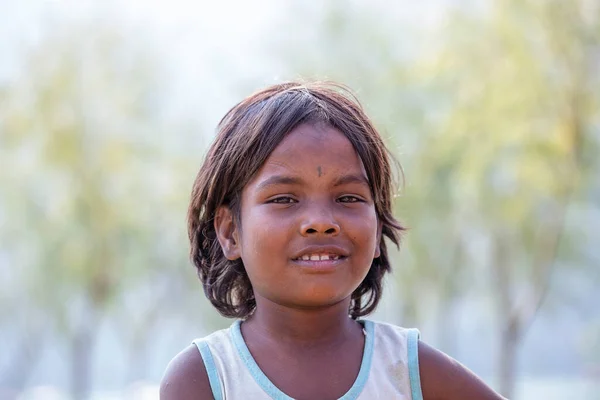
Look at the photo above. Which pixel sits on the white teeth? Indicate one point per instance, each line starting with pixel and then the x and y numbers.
pixel 319 257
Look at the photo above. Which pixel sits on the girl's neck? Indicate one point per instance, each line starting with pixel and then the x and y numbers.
pixel 310 327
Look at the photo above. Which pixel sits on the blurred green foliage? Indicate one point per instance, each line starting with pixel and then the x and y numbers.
pixel 94 206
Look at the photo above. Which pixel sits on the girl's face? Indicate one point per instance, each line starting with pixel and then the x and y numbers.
pixel 309 230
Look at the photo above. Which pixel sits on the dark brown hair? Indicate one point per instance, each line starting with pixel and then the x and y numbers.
pixel 246 136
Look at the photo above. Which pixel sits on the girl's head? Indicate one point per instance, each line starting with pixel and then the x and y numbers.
pixel 296 171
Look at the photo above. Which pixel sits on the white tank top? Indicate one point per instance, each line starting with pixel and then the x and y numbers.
pixel 389 368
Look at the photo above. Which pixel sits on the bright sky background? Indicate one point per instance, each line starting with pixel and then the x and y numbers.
pixel 207 47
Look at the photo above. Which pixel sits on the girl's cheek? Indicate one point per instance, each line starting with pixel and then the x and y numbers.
pixel 365 221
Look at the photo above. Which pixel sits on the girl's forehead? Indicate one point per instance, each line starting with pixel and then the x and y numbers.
pixel 313 152
pixel 313 139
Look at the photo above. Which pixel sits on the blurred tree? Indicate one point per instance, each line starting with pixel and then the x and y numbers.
pixel 519 127
pixel 81 133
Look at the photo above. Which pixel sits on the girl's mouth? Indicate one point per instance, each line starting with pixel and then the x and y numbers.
pixel 318 257
pixel 319 263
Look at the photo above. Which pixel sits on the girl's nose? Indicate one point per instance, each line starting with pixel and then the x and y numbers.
pixel 319 222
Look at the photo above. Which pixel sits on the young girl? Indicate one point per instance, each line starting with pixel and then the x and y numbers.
pixel 287 223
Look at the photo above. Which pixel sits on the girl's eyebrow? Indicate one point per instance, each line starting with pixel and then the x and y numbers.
pixel 279 180
pixel 351 178
pixel 293 180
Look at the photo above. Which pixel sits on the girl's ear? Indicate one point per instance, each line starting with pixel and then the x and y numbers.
pixel 378 246
pixel 227 233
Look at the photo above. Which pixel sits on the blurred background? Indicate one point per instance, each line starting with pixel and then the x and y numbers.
pixel 107 108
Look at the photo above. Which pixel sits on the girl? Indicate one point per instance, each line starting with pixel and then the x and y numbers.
pixel 287 223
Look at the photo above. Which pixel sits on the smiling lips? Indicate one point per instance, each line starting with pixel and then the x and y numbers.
pixel 320 260
pixel 319 257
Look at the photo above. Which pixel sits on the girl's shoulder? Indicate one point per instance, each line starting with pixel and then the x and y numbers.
pixel 185 377
pixel 439 376
pixel 444 378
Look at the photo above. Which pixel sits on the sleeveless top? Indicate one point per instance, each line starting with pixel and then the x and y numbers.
pixel 389 368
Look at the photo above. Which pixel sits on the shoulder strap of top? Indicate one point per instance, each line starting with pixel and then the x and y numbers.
pixel 211 368
pixel 413 364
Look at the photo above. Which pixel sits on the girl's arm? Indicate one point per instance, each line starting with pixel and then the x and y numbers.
pixel 186 378
pixel 443 378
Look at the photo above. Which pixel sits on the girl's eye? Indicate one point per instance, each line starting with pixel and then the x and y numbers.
pixel 349 199
pixel 282 200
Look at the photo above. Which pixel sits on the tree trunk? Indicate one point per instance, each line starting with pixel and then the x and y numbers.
pixel 446 326
pixel 138 360
pixel 82 346
pixel 22 364
pixel 508 318
pixel 507 359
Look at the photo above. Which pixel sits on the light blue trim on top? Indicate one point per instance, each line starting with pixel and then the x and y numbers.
pixel 275 392
pixel 365 365
pixel 211 369
pixel 255 371
pixel 413 364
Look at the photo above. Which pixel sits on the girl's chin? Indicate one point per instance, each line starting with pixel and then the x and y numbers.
pixel 320 301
